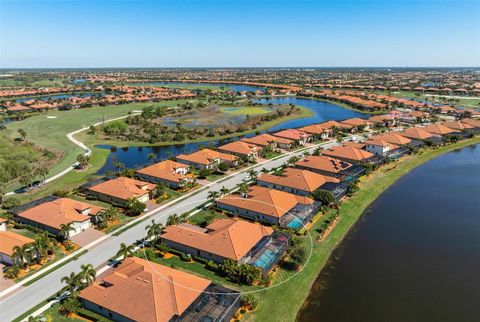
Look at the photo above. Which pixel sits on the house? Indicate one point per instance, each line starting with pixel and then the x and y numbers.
pixel 269 206
pixel 357 123
pixel 458 126
pixel 349 154
pixel 207 159
pixel 171 173
pixel 328 166
pixel 298 136
pixel 50 213
pixel 383 120
pixel 297 181
pixel 439 129
pixel 120 190
pixel 417 133
pixel 8 241
pixel 223 239
pixel 241 149
pixel 139 290
pixel 472 122
pixel 322 130
pixel 265 140
pixel 380 147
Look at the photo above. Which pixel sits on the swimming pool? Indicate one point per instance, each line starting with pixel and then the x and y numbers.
pixel 295 223
pixel 266 259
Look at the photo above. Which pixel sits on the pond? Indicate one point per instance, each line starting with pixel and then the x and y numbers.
pixel 415 253
pixel 135 157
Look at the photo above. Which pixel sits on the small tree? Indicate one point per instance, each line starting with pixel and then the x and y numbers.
pixel 223 167
pixel 69 305
pixel 249 301
pixel 135 207
pixel 125 251
pixel 203 173
pixel 325 197
pixel 82 161
pixel 22 133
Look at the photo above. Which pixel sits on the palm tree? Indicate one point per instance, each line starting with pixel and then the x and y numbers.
pixel 153 232
pixel 125 251
pixel 152 156
pixel 87 275
pixel 224 190
pixel 65 230
pixel 212 195
pixel 19 255
pixel 253 174
pixel 243 189
pixel 119 166
pixel 109 214
pixel 72 282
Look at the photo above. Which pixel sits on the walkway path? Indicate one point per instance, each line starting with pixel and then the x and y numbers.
pixel 88 152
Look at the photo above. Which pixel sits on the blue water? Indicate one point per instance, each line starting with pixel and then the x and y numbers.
pixel 323 111
pixel 135 157
pixel 295 224
pixel 415 253
pixel 266 259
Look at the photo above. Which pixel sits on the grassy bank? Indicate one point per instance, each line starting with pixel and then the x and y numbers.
pixel 49 130
pixel 346 106
pixel 283 303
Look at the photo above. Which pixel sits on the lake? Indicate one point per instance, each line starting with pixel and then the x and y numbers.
pixel 135 157
pixel 414 255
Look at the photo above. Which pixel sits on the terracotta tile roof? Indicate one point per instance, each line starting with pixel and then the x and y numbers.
pixel 265 139
pixel 382 143
pixel 8 240
pixel 292 134
pixel 355 122
pixel 124 188
pixel 324 163
pixel 472 122
pixel 457 125
pixel 145 291
pixel 392 137
pixel 350 153
pixel 416 133
pixel 266 201
pixel 240 147
pixel 358 145
pixel 381 118
pixel 60 211
pixel 206 156
pixel 165 170
pixel 298 179
pixel 228 238
pixel 437 129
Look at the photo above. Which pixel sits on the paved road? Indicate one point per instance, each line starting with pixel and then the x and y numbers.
pixel 27 297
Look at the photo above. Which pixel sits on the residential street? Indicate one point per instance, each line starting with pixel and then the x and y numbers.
pixel 25 298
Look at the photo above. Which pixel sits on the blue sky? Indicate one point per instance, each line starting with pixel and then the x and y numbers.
pixel 108 33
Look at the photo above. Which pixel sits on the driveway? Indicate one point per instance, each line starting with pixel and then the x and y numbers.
pixel 4 283
pixel 86 237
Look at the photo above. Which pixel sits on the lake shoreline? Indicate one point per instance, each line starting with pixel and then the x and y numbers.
pixel 351 210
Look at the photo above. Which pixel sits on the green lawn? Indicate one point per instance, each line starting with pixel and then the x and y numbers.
pixel 243 110
pixel 289 298
pixel 50 133
pixel 200 216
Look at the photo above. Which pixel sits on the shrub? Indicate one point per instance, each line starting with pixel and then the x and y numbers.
pixel 212 266
pixel 223 167
pixel 249 301
pixel 11 203
pixel 186 257
pixel 61 193
pixel 11 272
pixel 69 306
